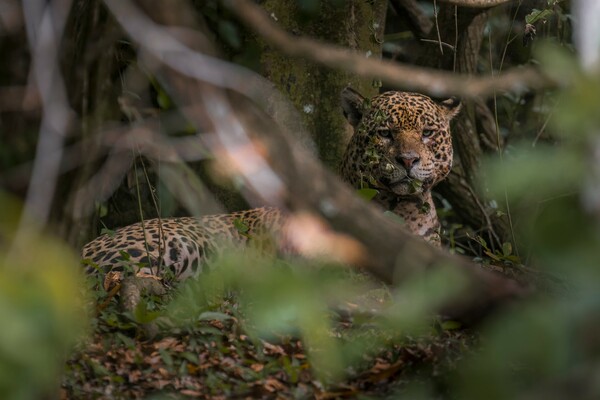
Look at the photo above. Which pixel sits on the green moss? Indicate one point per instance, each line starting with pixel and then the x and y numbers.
pixel 315 90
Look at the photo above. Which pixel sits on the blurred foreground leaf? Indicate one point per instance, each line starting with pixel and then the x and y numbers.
pixel 299 299
pixel 41 309
pixel 548 347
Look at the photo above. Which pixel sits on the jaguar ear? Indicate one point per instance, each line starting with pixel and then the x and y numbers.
pixel 353 105
pixel 451 106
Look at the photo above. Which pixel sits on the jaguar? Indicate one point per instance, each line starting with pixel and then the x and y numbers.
pixel 401 147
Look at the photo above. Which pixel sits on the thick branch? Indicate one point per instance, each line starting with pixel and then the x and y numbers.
pixel 436 83
pixel 475 3
pixel 392 254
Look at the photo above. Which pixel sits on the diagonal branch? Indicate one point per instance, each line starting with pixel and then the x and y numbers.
pixel 45 24
pixel 303 184
pixel 475 3
pixel 435 83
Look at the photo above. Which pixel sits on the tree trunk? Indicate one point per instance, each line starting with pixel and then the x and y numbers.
pixel 313 89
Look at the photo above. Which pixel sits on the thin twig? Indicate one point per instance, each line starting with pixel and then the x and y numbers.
pixel 543 127
pixel 455 38
pixel 488 222
pixel 508 39
pixel 440 43
pixel 500 154
pixel 437 27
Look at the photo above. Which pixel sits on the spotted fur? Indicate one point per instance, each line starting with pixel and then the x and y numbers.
pixel 179 247
pixel 401 146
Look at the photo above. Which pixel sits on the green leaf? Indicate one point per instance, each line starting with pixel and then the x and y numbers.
pixel 166 357
pixel 106 231
pixel 101 209
pixel 415 185
pixel 366 104
pixel 537 15
pixel 492 255
pixel 528 168
pixel 209 330
pixel 163 100
pixel 482 242
pixel 143 315
pixel 394 217
pixel 241 226
pixel 125 255
pixel 506 249
pixel 425 208
pixel 126 340
pixel 451 325
pixel 557 62
pixel 229 33
pixel 367 193
pixel 99 369
pixel 213 315
pixel 191 357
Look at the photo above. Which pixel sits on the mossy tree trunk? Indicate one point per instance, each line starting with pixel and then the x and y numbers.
pixel 313 89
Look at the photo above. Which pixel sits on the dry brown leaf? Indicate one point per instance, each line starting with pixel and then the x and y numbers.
pixel 166 342
pixel 217 324
pixel 273 349
pixel 257 367
pixel 228 362
pixel 337 394
pixel 193 369
pixel 188 392
pixel 272 385
pixel 383 373
pixel 380 365
pixel 154 360
pixel 159 383
pixel 134 375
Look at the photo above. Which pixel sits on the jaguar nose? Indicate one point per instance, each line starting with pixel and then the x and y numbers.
pixel 408 160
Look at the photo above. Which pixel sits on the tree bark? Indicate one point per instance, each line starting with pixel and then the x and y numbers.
pixel 314 89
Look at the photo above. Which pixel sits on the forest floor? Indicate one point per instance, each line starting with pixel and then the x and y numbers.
pixel 216 358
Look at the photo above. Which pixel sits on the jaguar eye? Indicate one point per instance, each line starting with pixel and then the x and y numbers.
pixel 384 132
pixel 428 133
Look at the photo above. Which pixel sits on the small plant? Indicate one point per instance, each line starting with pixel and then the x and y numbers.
pixel 505 255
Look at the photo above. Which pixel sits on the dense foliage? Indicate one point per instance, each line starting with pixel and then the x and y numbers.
pixel 259 326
